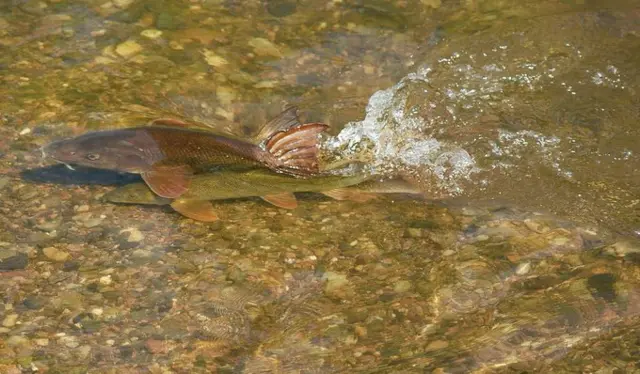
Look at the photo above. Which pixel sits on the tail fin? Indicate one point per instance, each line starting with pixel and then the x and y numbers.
pixel 287 119
pixel 296 148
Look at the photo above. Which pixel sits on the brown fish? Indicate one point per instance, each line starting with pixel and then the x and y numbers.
pixel 274 188
pixel 167 153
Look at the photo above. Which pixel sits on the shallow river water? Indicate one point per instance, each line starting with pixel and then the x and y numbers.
pixel 519 119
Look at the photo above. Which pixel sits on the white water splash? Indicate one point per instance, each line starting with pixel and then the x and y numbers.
pixel 450 97
pixel 396 140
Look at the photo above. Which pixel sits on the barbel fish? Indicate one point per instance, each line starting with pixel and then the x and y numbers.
pixel 274 188
pixel 169 152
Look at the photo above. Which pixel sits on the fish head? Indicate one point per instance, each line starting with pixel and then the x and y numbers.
pixel 130 150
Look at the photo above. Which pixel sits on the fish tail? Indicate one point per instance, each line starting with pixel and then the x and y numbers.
pixel 296 149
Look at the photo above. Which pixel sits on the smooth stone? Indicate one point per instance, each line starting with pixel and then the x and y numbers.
pixel 402 286
pixel 523 268
pixel 141 253
pixel 4 181
pixel 16 340
pixel 92 222
pixel 134 235
pixel 128 49
pixel 10 320
pixel 281 8
pixel 33 302
pixel 42 342
pixel 55 254
pixel 105 280
pixel 437 345
pixel 264 47
pixel 151 33
pixel 435 4
pixel 122 4
pixel 49 226
pixel 17 262
pixel 335 281
pixel 69 341
pixel 213 59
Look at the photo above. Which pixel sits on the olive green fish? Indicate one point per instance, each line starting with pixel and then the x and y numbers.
pixel 168 153
pixel 274 188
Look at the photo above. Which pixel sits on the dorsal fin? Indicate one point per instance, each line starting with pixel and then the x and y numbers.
pixel 287 119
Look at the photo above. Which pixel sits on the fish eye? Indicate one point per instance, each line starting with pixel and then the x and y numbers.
pixel 92 156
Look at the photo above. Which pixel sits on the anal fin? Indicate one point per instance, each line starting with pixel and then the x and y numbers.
pixel 168 181
pixel 285 200
pixel 199 210
pixel 347 194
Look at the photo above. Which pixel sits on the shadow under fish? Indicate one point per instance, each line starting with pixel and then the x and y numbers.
pixel 60 174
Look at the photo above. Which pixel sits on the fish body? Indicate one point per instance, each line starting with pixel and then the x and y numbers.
pixel 275 188
pixel 168 153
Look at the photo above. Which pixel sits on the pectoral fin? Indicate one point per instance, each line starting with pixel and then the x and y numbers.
pixel 168 181
pixel 284 200
pixel 347 194
pixel 198 210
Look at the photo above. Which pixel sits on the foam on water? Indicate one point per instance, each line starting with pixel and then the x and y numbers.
pixel 407 128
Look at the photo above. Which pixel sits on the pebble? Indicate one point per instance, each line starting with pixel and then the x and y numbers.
pixel 105 280
pixel 92 222
pixel 435 4
pixel 213 59
pixel 4 181
pixel 15 262
pixel 413 232
pixel 83 351
pixel 436 345
pixel 10 320
pixel 97 312
pixel 69 341
pixel 134 234
pixel 55 254
pixel 266 84
pixel 42 342
pixel 151 33
pixel 263 47
pixel 335 281
pixel 402 286
pixel 128 49
pixel 523 268
pixel 50 225
pixel 122 4
pixel 622 248
pixel 142 253
pixel 536 226
pixel 16 340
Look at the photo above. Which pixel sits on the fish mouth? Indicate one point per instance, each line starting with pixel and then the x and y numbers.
pixel 43 151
